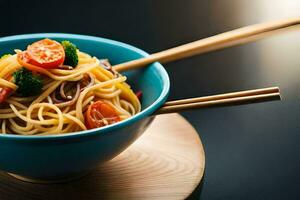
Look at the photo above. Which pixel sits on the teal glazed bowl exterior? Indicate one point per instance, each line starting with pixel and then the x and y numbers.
pixel 57 157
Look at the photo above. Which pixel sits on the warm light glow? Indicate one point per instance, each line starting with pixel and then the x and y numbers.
pixel 276 58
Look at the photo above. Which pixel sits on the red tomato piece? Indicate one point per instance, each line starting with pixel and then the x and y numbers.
pixel 4 93
pixel 45 53
pixel 100 114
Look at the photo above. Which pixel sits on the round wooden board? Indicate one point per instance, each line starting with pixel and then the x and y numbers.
pixel 167 162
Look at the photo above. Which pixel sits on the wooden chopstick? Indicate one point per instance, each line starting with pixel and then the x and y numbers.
pixel 225 96
pixel 218 102
pixel 220 41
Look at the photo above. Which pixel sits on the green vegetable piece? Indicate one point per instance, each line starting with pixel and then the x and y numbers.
pixel 5 56
pixel 71 57
pixel 28 84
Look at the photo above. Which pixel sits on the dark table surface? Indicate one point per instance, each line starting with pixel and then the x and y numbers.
pixel 252 151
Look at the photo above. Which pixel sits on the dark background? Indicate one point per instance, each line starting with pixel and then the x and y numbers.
pixel 252 151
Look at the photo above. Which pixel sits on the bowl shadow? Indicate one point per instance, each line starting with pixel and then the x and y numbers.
pixel 92 186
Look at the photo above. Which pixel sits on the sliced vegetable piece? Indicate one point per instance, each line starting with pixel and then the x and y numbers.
pixel 45 53
pixel 139 95
pixel 23 60
pixel 100 114
pixel 128 95
pixel 5 56
pixel 4 93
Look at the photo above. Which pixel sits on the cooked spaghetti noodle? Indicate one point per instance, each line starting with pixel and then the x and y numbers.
pixel 65 97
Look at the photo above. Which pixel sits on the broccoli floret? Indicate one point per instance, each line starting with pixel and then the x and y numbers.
pixel 28 84
pixel 71 53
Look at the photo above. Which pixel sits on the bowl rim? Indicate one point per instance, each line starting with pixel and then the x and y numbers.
pixel 106 129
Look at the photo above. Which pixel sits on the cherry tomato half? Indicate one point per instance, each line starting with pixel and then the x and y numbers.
pixel 100 114
pixel 45 53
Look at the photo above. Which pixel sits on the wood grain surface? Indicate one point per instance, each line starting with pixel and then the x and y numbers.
pixel 167 162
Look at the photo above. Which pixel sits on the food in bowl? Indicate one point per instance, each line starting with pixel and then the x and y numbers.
pixel 60 157
pixel 54 88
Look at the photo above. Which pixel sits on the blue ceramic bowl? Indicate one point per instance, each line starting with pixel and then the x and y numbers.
pixel 58 157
